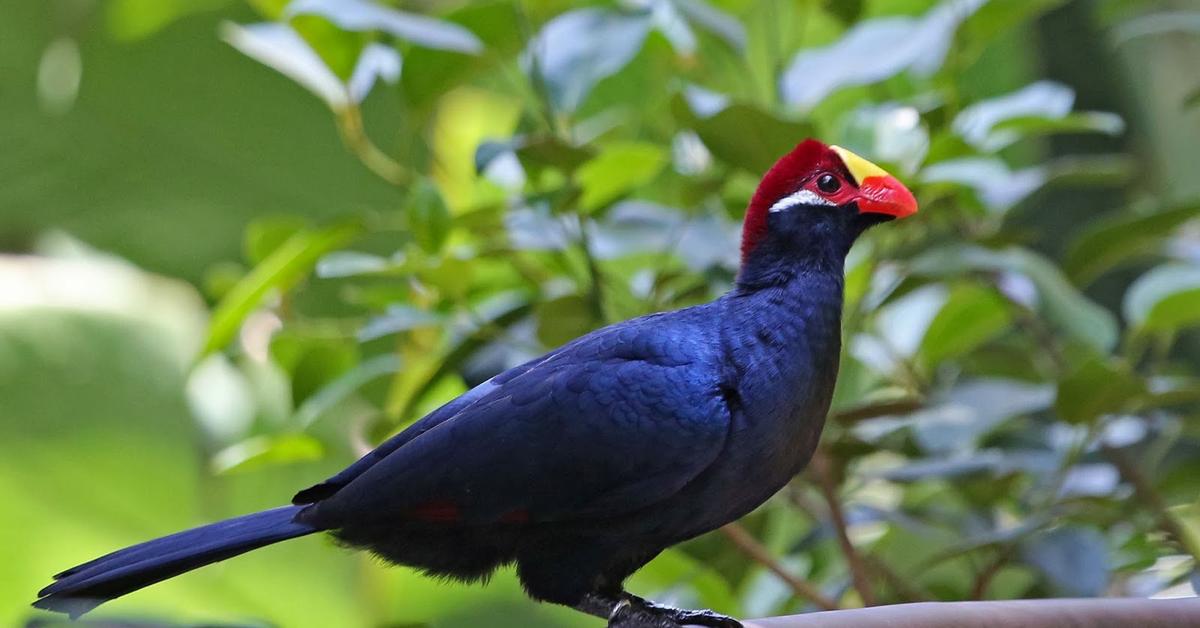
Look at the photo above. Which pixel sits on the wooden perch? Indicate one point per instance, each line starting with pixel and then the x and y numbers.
pixel 1066 613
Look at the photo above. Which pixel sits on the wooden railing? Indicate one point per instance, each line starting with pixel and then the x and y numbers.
pixel 1064 613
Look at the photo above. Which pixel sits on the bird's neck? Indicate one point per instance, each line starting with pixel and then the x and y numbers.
pixel 787 332
pixel 788 308
pixel 816 249
pixel 782 343
pixel 806 295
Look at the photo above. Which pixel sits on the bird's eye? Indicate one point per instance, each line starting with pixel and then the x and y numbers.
pixel 828 183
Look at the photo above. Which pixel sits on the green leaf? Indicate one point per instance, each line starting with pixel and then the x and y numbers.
pixel 535 153
pixel 1103 122
pixel 130 20
pixel 341 388
pixel 847 11
pixel 281 48
pixel 1098 387
pixel 997 187
pixel 337 48
pixel 281 270
pixel 744 136
pixel 970 317
pixel 1191 100
pixel 577 49
pixel 436 72
pixel 221 277
pixel 263 236
pixel 1040 108
pixel 1111 171
pixel 714 20
pixel 451 276
pixel 1042 100
pixel 617 170
pixel 996 18
pixel 261 451
pixel 1068 310
pixel 875 50
pixel 563 320
pixel 398 318
pixel 957 420
pixel 364 15
pixel 1109 242
pixel 428 218
pixel 269 9
pixel 311 361
pixel 544 151
pixel 1165 299
pixel 670 23
pixel 1187 517
pixel 1074 559
pixel 488 151
pixel 1171 391
pixel 350 264
pixel 1157 23
pixel 500 312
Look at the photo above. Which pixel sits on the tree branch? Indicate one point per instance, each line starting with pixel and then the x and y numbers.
pixel 984 578
pixel 1146 493
pixel 750 546
pixel 905 589
pixel 858 570
pixel 875 410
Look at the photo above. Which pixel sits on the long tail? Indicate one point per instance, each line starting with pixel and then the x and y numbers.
pixel 82 588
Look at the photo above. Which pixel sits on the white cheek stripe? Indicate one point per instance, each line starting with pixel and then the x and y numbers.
pixel 802 197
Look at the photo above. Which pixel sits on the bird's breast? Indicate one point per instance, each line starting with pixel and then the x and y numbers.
pixel 784 367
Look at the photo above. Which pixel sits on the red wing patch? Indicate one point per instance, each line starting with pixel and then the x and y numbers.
pixel 438 511
pixel 446 511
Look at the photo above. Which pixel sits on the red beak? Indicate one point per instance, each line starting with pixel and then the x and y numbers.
pixel 883 194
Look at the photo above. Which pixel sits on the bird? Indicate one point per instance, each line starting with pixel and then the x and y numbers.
pixel 582 465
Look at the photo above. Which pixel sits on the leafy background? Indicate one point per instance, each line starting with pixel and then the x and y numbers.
pixel 245 241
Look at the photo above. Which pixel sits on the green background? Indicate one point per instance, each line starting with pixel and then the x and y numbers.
pixel 1017 409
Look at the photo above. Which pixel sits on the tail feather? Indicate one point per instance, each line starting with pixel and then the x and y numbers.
pixel 82 588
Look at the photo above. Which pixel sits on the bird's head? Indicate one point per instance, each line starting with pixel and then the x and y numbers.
pixel 815 201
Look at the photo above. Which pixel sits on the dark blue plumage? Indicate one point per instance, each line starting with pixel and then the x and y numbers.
pixel 582 465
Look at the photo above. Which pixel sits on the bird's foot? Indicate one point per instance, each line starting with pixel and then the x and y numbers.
pixel 634 612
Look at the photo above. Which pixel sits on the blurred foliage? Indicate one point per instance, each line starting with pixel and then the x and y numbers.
pixel 369 207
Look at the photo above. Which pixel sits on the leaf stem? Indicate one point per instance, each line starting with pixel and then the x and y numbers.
pixel 595 276
pixel 744 541
pixel 354 136
pixel 554 123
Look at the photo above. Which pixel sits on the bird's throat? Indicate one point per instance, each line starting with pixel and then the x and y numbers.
pixel 787 331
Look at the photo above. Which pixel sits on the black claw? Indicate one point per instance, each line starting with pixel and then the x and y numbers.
pixel 634 612
pixel 706 618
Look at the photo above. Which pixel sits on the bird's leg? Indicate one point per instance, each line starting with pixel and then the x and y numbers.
pixel 598 604
pixel 625 610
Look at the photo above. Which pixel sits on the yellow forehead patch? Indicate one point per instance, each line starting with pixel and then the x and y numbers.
pixel 859 168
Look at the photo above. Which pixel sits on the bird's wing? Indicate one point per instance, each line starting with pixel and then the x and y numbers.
pixel 613 422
